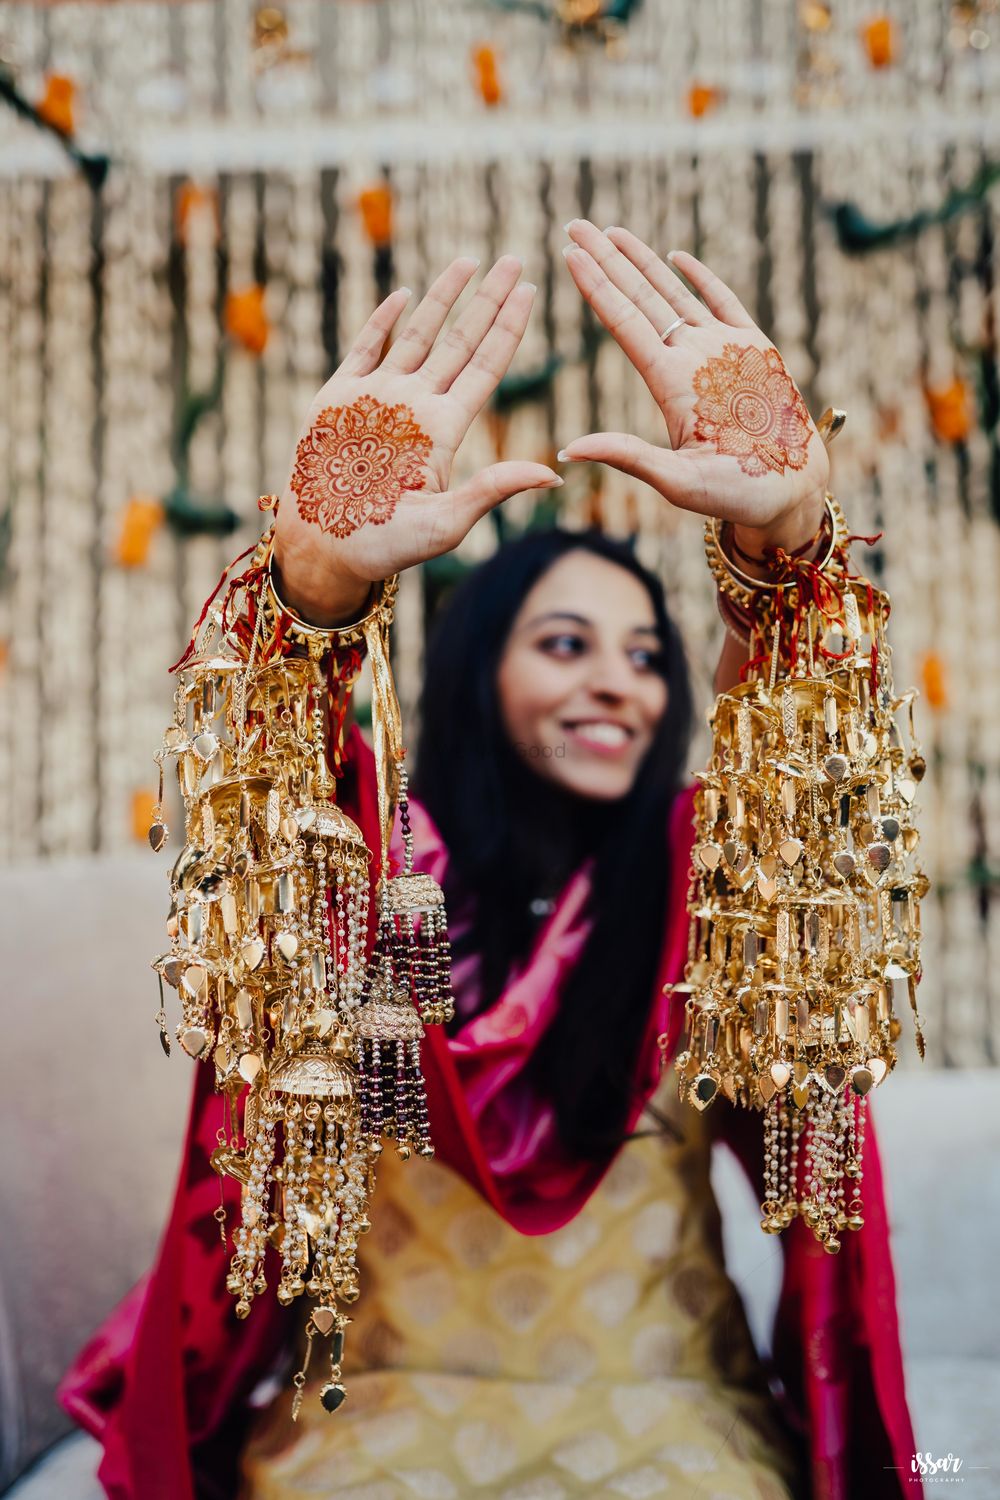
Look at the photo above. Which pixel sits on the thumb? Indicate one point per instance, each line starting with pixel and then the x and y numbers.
pixel 471 500
pixel 662 468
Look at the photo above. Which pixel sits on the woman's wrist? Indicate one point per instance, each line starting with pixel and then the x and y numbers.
pixel 792 531
pixel 315 593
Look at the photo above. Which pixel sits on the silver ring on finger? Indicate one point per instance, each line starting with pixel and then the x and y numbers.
pixel 672 329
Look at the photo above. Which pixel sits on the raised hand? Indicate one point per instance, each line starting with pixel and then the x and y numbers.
pixel 367 494
pixel 742 444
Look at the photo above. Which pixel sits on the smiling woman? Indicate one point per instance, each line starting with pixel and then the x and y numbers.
pixel 544 1311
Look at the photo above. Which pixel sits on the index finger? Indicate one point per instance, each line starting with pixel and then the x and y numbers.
pixel 629 327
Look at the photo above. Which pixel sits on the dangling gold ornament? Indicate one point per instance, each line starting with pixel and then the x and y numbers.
pixel 805 888
pixel 269 925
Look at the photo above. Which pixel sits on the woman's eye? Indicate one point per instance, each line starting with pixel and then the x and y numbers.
pixel 645 658
pixel 564 644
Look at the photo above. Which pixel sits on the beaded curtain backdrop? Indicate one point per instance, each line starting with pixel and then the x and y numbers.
pixel 198 202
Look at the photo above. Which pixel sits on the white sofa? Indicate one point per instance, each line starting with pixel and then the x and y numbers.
pixel 91 1115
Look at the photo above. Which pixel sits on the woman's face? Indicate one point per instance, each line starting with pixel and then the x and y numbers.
pixel 580 694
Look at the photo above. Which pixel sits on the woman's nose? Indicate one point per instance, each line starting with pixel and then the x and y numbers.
pixel 610 676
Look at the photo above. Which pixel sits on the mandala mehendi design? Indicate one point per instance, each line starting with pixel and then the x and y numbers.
pixel 750 408
pixel 355 462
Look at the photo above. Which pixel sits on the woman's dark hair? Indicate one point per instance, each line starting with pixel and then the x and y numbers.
pixel 514 838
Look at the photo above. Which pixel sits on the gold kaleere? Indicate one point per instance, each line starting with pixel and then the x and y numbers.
pixel 805 889
pixel 268 925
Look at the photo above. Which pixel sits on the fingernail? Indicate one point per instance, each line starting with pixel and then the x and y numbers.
pixel 568 250
pixel 610 227
pixel 407 289
pixel 550 484
pixel 671 254
pixel 569 224
pixel 563 457
pixel 474 260
pixel 530 285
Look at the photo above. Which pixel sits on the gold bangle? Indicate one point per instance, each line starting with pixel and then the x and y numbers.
pixel 321 637
pixel 741 587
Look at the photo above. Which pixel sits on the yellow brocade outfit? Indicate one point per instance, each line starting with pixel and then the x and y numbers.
pixel 610 1358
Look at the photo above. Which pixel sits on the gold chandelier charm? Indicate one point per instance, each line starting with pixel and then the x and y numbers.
pixel 805 891
pixel 315 1046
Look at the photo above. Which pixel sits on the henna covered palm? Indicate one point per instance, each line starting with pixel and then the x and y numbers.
pixel 368 489
pixel 742 444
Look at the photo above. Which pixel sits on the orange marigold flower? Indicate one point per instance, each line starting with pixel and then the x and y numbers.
pixel 355 462
pixel 141 519
pixel 702 100
pixel 246 318
pixel 484 64
pixel 375 204
pixel 879 37
pixel 750 408
pixel 950 411
pixel 934 677
pixel 56 104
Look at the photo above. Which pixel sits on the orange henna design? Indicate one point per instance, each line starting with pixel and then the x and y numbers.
pixel 750 408
pixel 355 462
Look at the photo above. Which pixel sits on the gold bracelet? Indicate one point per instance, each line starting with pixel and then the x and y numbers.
pixel 740 586
pixel 322 637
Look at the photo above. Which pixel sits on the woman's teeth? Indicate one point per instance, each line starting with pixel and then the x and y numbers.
pixel 611 735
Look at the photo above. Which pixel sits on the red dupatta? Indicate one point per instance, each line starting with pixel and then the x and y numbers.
pixel 165 1383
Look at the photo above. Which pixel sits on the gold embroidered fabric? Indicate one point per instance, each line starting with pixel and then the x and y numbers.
pixel 611 1358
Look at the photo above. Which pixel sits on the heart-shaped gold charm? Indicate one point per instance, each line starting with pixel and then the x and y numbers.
pixel 879 856
pixel 767 1087
pixel 172 969
pixel 250 1066
pixel 907 789
pixel 730 849
pixel 252 953
pixel 877 1068
pixel 709 855
pixel 861 1080
pixel 194 1040
pixel 890 830
pixel 844 863
pixel 768 866
pixel 703 1090
pixel 790 851
pixel 287 945
pixel 780 1073
pixel 194 978
pixel 911 838
pixel 834 1075
pixel 836 767
pixel 800 1093
pixel 767 886
pixel 323 1319
pixel 289 830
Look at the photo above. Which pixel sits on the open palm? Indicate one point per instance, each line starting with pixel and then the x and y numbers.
pixel 368 490
pixel 742 444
